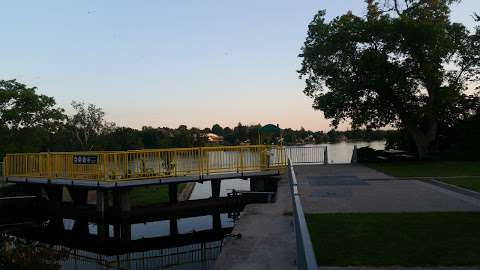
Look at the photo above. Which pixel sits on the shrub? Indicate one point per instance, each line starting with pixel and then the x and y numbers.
pixel 366 154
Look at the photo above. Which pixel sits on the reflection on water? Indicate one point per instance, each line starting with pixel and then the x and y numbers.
pixel 187 242
pixel 342 152
pixel 204 190
pixel 182 241
pixel 26 254
pixel 196 256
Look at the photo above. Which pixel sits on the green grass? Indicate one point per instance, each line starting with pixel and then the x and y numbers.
pixel 6 189
pixel 144 196
pixel 428 168
pixel 405 239
pixel 468 183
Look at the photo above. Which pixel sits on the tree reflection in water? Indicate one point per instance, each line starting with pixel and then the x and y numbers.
pixel 16 253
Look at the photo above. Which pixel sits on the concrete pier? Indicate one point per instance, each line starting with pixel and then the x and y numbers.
pixel 172 193
pixel 267 238
pixel 173 226
pixel 54 193
pixel 216 188
pixel 121 200
pixel 79 195
pixel 101 203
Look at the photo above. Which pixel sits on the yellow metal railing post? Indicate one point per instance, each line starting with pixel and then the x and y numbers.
pixel 200 161
pixel 175 161
pixel 49 166
pixel 242 169
pixel 105 169
pixel 5 166
pixel 207 161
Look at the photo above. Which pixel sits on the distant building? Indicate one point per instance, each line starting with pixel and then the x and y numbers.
pixel 214 138
pixel 246 142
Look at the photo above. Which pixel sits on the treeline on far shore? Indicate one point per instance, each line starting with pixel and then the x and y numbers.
pixel 31 122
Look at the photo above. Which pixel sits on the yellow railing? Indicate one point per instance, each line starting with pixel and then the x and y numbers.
pixel 143 164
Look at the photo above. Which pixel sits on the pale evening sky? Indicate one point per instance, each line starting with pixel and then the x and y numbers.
pixel 166 63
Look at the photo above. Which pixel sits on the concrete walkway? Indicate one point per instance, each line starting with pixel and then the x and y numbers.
pixel 355 188
pixel 267 241
pixel 399 268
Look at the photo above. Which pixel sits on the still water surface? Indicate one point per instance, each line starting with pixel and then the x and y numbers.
pixel 342 152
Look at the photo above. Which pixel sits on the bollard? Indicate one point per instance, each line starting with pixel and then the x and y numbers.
pixel 354 155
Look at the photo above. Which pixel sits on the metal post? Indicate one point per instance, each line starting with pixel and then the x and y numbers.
pixel 172 192
pixel 354 155
pixel 101 203
pixel 325 155
pixel 215 184
pixel 49 167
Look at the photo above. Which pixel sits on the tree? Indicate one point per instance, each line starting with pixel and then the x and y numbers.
pixel 123 139
pixel 21 107
pixel 241 133
pixel 27 120
pixel 217 129
pixel 87 122
pixel 17 253
pixel 407 66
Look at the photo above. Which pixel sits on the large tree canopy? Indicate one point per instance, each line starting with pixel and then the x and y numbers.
pixel 22 107
pixel 405 65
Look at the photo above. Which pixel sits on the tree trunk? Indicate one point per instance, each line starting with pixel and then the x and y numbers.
pixel 422 146
pixel 423 138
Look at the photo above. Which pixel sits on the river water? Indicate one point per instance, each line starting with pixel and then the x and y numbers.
pixel 342 152
pixel 168 243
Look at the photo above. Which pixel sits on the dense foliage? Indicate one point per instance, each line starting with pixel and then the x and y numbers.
pixel 33 123
pixel 404 64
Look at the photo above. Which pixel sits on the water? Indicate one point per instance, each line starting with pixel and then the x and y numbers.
pixel 172 242
pixel 342 152
pixel 204 191
pixel 60 243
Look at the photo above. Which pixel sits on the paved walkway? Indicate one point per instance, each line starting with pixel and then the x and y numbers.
pixel 399 268
pixel 267 241
pixel 355 188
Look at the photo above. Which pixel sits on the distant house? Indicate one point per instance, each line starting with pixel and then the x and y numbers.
pixel 246 142
pixel 214 138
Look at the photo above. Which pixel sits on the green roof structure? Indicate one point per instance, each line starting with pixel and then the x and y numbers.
pixel 270 129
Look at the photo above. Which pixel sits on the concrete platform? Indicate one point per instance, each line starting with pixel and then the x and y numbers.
pixel 356 189
pixel 112 184
pixel 399 268
pixel 268 240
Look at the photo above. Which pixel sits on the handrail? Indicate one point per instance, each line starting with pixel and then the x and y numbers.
pixel 312 154
pixel 145 164
pixel 305 254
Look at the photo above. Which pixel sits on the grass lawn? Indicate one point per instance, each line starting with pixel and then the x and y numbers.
pixel 144 196
pixel 405 239
pixel 428 168
pixel 468 183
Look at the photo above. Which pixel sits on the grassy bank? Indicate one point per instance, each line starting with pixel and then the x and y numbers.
pixel 428 168
pixel 144 196
pixel 406 239
pixel 468 183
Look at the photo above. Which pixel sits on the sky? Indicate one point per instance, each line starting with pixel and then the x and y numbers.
pixel 167 63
